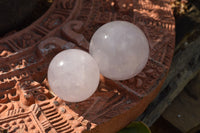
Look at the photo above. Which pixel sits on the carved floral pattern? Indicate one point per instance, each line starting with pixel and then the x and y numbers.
pixel 26 101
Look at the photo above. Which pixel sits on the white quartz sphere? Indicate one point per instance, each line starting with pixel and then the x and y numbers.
pixel 121 50
pixel 73 75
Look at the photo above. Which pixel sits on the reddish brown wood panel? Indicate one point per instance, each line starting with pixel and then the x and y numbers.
pixel 24 92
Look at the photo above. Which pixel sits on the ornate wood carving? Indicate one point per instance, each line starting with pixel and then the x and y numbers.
pixel 26 102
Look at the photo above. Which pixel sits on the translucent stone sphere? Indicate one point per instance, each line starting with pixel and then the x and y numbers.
pixel 121 50
pixel 73 75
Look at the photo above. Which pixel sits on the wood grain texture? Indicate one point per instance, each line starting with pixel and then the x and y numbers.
pixel 183 113
pixel 185 66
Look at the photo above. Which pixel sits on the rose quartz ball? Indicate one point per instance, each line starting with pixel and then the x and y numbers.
pixel 73 75
pixel 121 50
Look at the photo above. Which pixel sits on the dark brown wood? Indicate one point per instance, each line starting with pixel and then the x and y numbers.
pixel 195 129
pixel 184 112
pixel 185 66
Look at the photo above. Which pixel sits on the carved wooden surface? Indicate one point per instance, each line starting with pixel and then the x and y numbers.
pixel 25 96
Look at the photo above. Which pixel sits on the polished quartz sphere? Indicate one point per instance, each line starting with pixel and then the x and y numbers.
pixel 121 50
pixel 73 75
